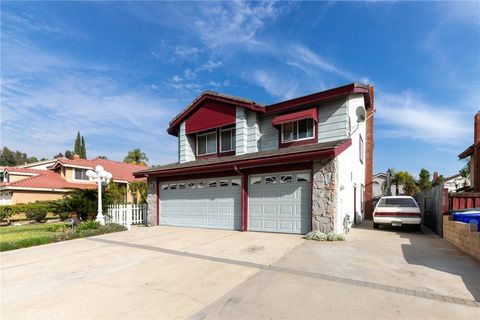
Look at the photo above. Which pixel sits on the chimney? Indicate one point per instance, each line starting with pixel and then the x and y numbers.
pixel 476 135
pixel 75 157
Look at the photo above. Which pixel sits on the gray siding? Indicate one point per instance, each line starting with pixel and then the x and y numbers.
pixel 185 146
pixel 253 132
pixel 332 121
pixel 241 131
pixel 268 134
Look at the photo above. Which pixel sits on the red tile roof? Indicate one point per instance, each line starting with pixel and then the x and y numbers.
pixel 22 170
pixel 47 179
pixel 119 170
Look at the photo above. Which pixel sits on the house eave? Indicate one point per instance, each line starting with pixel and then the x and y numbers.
pixel 235 165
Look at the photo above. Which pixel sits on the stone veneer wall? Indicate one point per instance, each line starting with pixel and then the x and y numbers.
pixel 152 202
pixel 324 195
pixel 462 235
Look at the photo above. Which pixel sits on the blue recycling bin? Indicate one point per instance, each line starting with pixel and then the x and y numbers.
pixel 468 217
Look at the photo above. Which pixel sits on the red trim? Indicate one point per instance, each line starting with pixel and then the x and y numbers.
pixel 211 115
pixel 244 202
pixel 216 174
pixel 296 116
pixel 265 161
pixel 174 125
pixel 298 142
pixel 218 154
pixel 397 214
pixel 158 202
pixel 317 97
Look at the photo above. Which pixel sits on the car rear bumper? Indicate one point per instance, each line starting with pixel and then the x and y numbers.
pixel 402 220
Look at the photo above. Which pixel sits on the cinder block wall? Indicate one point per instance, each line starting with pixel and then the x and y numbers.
pixel 464 236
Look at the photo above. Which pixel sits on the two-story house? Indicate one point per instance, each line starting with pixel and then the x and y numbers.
pixel 292 166
pixel 52 179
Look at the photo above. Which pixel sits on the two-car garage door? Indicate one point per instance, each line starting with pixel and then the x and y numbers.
pixel 278 202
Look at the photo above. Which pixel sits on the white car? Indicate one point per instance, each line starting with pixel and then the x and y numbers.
pixel 397 211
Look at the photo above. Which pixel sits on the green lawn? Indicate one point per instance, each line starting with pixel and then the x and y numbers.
pixel 16 237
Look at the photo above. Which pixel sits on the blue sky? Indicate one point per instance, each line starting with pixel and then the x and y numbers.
pixel 118 72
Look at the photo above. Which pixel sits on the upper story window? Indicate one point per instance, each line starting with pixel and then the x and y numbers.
pixel 206 143
pixel 297 130
pixel 80 174
pixel 227 139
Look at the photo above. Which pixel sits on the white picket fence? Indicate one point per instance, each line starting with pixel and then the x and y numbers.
pixel 127 214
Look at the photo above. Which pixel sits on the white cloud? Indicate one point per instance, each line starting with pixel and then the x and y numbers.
pixel 185 52
pixel 236 22
pixel 276 85
pixel 406 115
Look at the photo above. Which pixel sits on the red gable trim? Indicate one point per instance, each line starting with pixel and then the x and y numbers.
pixel 175 124
pixel 300 115
pixel 211 115
pixel 317 97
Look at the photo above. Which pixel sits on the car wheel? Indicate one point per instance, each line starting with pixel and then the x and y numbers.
pixel 418 228
pixel 376 226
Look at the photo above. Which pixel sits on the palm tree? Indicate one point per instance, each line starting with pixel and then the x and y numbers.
pixel 136 156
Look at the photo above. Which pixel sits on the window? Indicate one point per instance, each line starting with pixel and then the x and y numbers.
pixel 270 179
pixel 80 174
pixel 297 130
pixel 255 180
pixel 206 143
pixel 173 186
pixel 227 139
pixel 360 148
pixel 212 184
pixel 223 183
pixel 286 179
pixel 303 177
pixel 181 186
pixel 397 202
pixel 235 182
pixel 164 186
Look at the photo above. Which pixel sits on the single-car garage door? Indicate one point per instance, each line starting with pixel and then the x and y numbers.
pixel 207 203
pixel 280 202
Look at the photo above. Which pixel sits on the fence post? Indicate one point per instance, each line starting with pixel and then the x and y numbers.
pixel 129 216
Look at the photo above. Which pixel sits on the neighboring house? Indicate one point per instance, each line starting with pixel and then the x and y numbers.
pixel 292 166
pixel 456 182
pixel 23 185
pixel 473 152
pixel 380 184
pixel 40 165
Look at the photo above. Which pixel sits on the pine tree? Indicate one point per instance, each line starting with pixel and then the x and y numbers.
pixel 77 149
pixel 83 150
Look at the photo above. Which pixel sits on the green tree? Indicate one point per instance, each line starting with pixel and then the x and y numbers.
pixel 83 149
pixel 440 180
pixel 69 154
pixel 102 157
pixel 83 203
pixel 58 155
pixel 7 157
pixel 77 149
pixel 117 193
pixel 465 171
pixel 136 156
pixel 424 182
pixel 139 191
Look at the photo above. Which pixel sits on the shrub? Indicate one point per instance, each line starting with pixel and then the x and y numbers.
pixel 37 213
pixel 57 227
pixel 5 212
pixel 320 236
pixel 88 225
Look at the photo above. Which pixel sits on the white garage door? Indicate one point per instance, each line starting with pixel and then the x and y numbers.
pixel 209 203
pixel 280 202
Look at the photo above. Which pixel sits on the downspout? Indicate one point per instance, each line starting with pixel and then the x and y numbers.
pixel 244 198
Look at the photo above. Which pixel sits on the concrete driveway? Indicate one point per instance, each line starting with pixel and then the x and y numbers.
pixel 166 273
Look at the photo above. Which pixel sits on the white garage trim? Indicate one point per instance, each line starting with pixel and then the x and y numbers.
pixel 204 203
